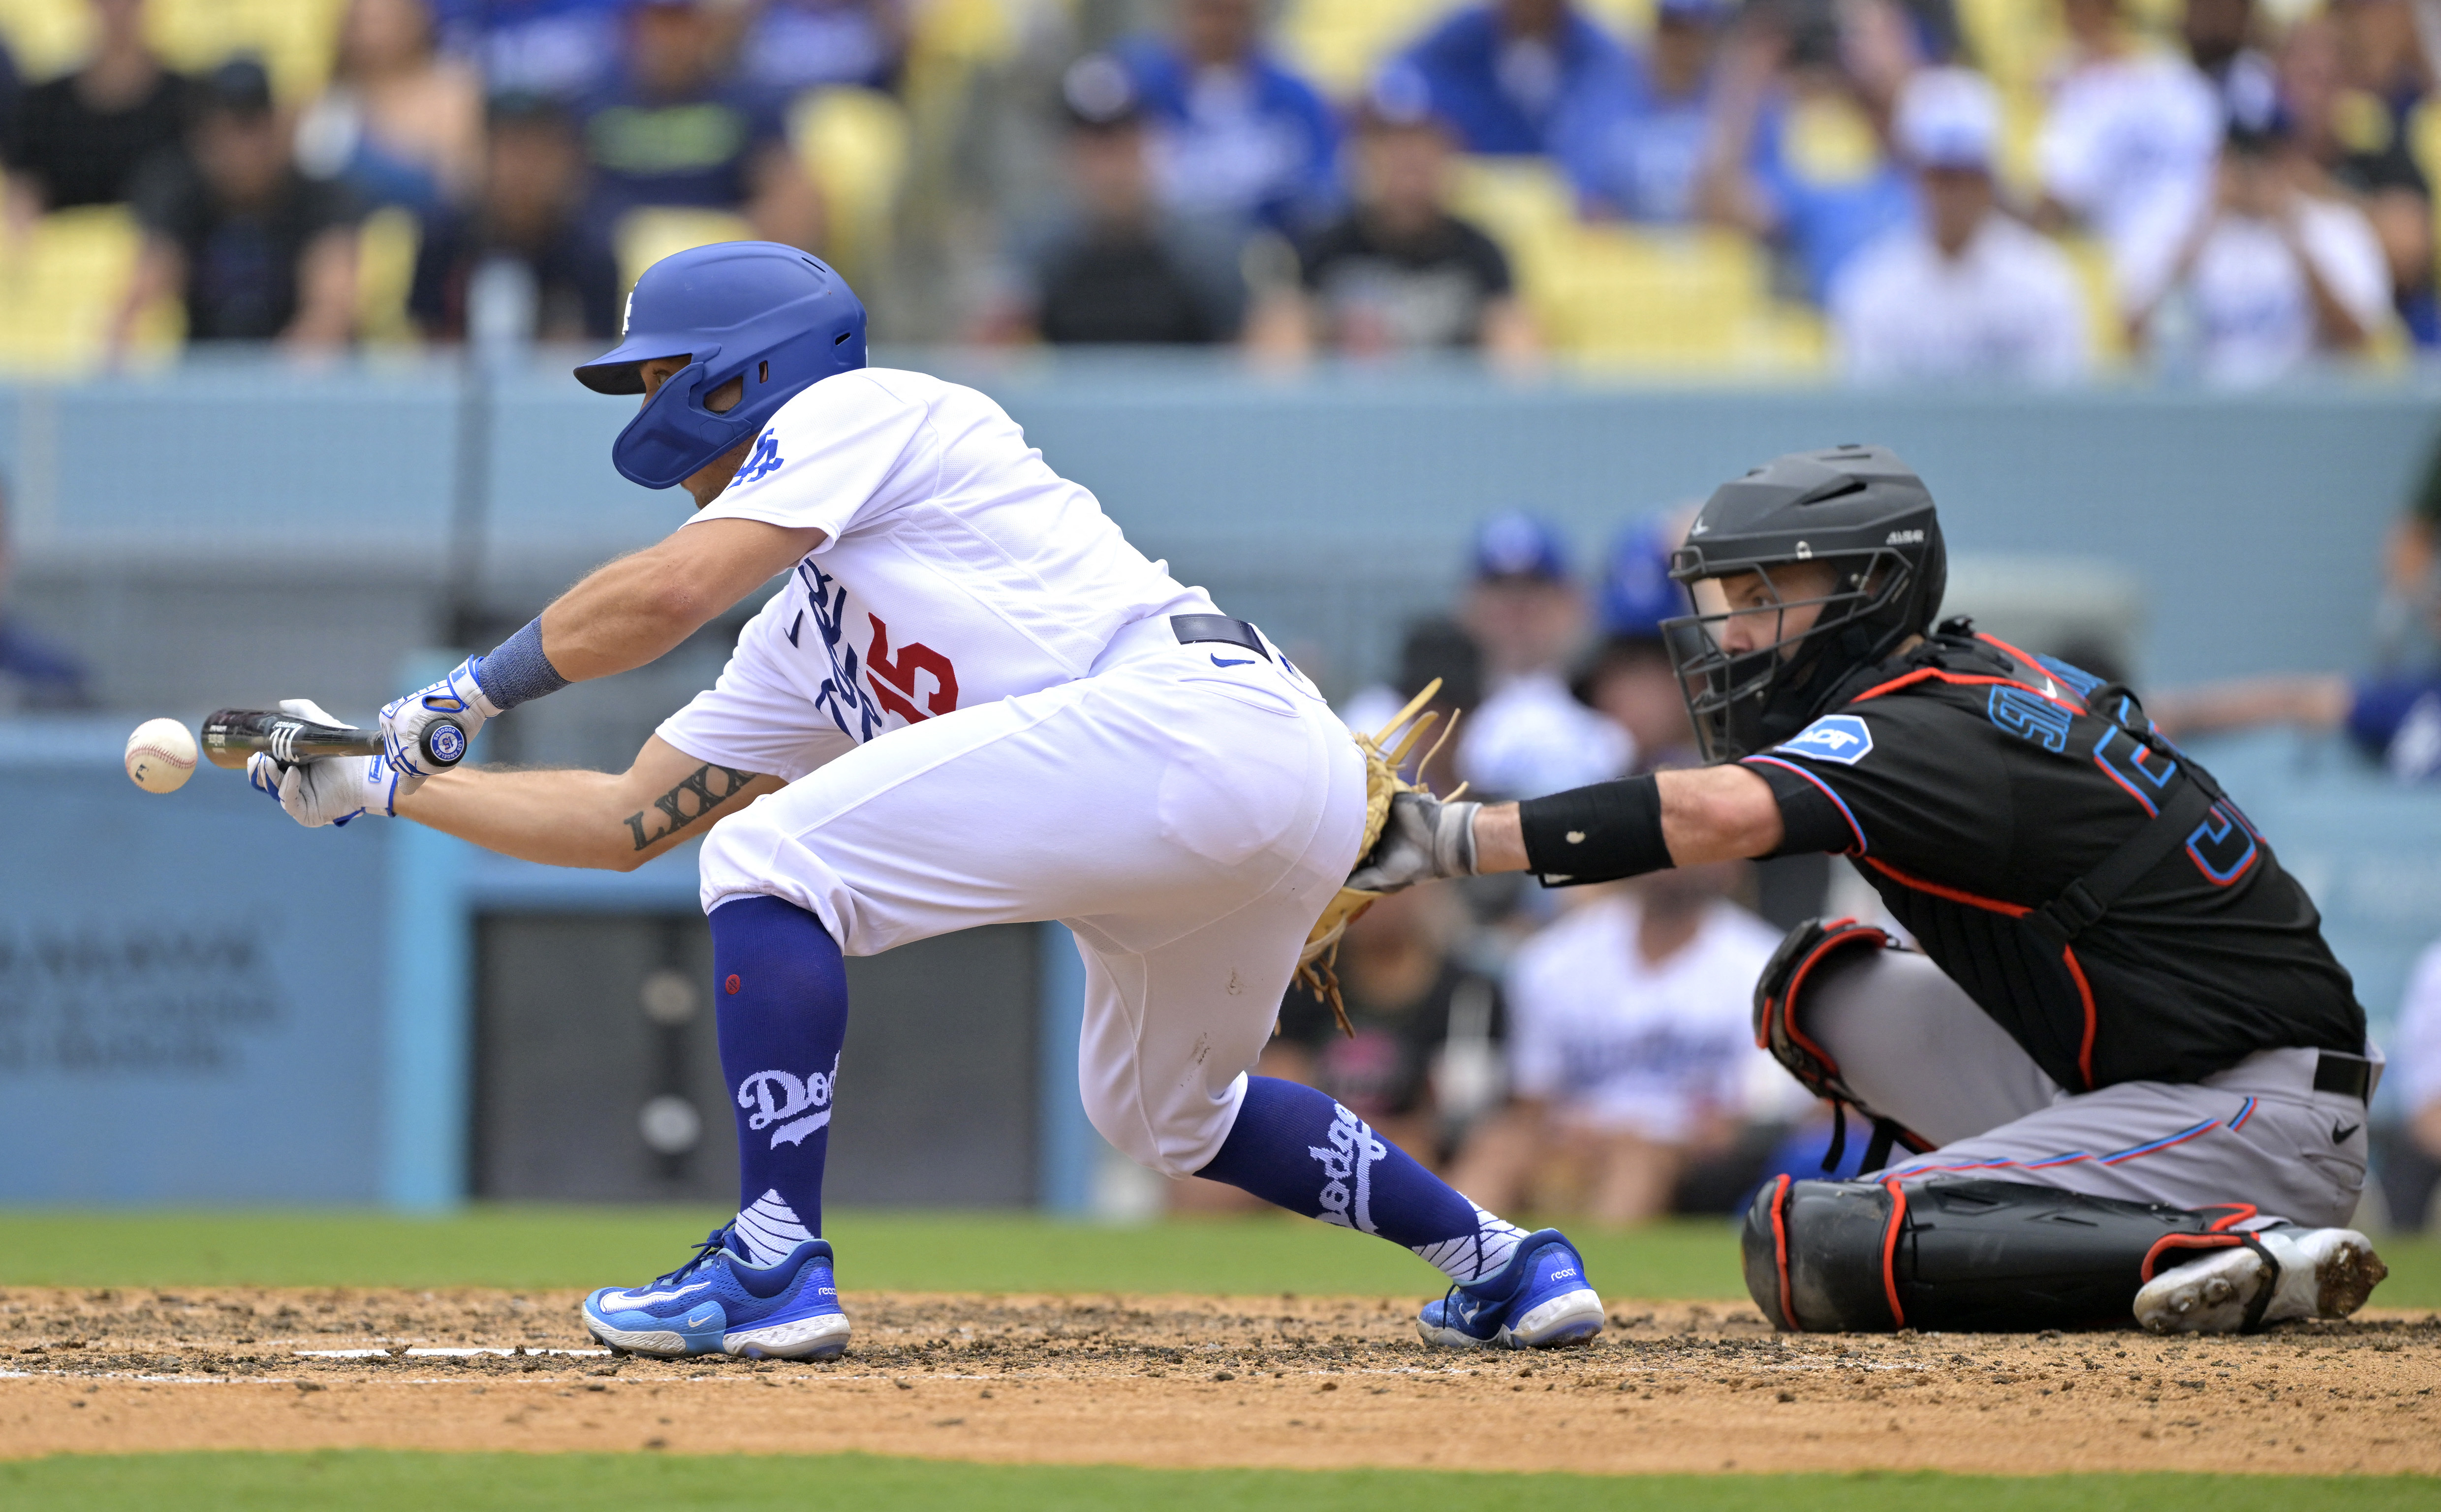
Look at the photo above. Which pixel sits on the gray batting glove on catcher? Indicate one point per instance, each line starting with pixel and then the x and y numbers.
pixel 457 697
pixel 1423 838
pixel 328 790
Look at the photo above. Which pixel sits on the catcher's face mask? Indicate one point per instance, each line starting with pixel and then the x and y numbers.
pixel 1768 642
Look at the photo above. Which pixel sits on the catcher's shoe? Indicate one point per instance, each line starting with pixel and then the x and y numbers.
pixel 718 1303
pixel 1539 1299
pixel 2308 1273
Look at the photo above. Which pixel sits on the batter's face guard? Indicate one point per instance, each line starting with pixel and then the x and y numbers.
pixel 775 318
pixel 1770 642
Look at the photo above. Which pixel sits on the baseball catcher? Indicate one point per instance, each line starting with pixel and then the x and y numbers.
pixel 973 702
pixel 2126 1070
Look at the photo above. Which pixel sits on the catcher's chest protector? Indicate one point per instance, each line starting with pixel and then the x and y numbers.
pixel 1961 1255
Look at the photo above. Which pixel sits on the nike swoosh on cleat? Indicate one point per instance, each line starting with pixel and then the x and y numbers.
pixel 2340 1135
pixel 650 1299
pixel 1217 663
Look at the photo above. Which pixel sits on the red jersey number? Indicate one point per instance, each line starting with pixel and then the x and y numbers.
pixel 893 679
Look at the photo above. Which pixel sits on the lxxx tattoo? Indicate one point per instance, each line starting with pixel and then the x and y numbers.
pixel 711 786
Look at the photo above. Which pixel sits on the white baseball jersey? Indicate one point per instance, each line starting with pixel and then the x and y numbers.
pixel 985 717
pixel 2006 308
pixel 958 570
pixel 1614 1041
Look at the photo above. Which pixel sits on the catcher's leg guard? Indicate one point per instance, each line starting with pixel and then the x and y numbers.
pixel 1960 1255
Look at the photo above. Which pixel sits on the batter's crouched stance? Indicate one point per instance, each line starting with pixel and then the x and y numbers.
pixel 2126 1070
pixel 973 703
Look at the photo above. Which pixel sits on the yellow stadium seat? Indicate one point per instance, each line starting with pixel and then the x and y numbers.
pixel 646 236
pixel 293 37
pixel 386 247
pixel 2106 326
pixel 1337 43
pixel 60 285
pixel 855 145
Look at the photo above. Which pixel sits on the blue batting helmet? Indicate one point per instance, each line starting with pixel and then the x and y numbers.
pixel 776 317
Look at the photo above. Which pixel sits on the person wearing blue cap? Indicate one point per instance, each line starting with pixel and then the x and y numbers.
pixel 1235 132
pixel 1965 290
pixel 1637 150
pixel 1525 610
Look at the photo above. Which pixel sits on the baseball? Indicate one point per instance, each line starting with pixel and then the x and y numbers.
pixel 160 756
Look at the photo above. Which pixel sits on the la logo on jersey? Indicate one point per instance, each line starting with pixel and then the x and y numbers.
pixel 1841 738
pixel 764 460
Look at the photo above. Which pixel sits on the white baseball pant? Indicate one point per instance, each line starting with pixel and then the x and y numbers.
pixel 1185 809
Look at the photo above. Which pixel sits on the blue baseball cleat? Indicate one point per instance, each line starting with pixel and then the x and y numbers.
pixel 716 1303
pixel 1539 1299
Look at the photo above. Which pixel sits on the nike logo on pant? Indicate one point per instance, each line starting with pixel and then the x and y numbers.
pixel 2339 1132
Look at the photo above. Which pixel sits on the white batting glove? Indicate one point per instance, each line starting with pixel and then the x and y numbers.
pixel 1423 838
pixel 458 696
pixel 329 790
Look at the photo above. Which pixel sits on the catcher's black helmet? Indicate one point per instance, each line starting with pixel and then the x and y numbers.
pixel 1856 508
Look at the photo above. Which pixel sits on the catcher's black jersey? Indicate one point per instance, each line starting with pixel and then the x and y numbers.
pixel 1970 784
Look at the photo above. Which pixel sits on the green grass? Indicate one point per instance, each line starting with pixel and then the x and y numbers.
pixel 374 1482
pixel 538 1246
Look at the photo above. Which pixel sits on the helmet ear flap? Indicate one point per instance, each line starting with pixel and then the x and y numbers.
pixel 667 440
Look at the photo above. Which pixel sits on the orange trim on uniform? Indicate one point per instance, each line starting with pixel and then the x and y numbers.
pixel 1780 1243
pixel 2184 1241
pixel 1842 930
pixel 2023 659
pixel 2014 910
pixel 2085 1047
pixel 1890 1253
pixel 1963 679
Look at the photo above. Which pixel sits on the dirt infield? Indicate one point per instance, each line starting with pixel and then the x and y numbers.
pixel 1305 1383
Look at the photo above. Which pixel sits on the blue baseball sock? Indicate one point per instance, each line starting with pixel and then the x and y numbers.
pixel 780 990
pixel 1297 1148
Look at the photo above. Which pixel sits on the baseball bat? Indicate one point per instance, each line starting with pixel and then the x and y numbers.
pixel 233 735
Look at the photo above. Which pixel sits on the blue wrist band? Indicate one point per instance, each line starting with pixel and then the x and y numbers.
pixel 516 670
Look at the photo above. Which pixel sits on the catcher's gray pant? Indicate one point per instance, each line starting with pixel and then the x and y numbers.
pixel 1918 1049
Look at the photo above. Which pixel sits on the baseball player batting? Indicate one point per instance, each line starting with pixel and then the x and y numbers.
pixel 974 702
pixel 2127 1070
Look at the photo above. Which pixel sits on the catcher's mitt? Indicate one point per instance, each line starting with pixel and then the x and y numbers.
pixel 1382 765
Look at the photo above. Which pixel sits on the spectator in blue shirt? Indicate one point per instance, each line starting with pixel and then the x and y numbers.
pixel 1504 75
pixel 559 47
pixel 678 129
pixel 1234 132
pixel 797 45
pixel 1637 150
pixel 1799 156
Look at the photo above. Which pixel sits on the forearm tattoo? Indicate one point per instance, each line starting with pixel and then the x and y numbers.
pixel 711 786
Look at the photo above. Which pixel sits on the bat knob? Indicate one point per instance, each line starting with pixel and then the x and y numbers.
pixel 443 743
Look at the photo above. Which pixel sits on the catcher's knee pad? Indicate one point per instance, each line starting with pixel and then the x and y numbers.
pixel 1807 954
pixel 1960 1255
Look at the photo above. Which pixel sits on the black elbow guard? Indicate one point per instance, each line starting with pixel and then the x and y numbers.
pixel 1598 834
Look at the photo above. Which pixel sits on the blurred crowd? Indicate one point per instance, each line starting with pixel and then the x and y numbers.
pixel 2235 189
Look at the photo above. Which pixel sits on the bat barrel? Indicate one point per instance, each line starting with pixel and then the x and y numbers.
pixel 232 735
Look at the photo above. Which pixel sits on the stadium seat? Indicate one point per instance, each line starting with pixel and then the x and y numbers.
pixel 385 270
pixel 294 38
pixel 646 236
pixel 855 145
pixel 2107 328
pixel 59 287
